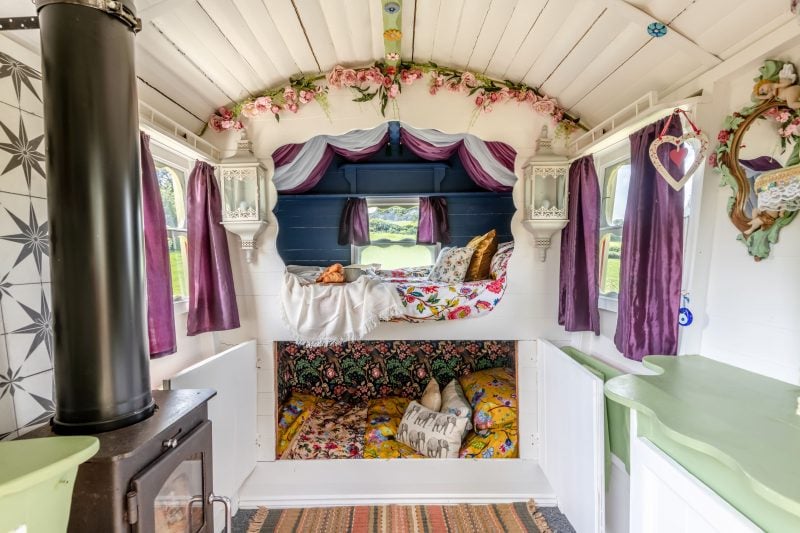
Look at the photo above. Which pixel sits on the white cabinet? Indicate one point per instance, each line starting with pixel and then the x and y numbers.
pixel 665 498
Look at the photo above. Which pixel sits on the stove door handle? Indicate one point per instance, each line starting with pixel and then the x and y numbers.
pixel 224 500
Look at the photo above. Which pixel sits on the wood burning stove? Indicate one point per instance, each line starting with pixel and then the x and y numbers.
pixel 153 470
pixel 154 476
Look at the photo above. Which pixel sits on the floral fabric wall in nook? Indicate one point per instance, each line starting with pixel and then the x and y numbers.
pixel 26 341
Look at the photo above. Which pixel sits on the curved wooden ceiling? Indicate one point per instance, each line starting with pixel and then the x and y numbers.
pixel 595 56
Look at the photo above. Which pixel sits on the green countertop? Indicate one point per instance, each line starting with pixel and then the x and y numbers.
pixel 736 431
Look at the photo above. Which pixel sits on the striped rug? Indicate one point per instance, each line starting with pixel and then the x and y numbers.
pixel 510 518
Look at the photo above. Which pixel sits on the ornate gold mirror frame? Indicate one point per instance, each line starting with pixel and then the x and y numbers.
pixel 776 99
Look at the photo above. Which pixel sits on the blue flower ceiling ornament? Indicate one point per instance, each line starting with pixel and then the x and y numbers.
pixel 657 29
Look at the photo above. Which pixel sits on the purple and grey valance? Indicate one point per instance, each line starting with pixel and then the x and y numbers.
pixel 299 167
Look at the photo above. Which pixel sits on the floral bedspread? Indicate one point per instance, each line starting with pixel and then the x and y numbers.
pixel 427 300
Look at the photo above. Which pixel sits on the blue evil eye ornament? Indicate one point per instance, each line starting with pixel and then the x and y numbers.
pixel 657 29
pixel 685 317
pixel 391 8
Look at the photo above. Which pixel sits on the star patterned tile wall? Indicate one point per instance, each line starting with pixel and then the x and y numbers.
pixel 26 338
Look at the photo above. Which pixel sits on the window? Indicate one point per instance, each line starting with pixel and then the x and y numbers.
pixel 393 235
pixel 615 172
pixel 614 190
pixel 172 183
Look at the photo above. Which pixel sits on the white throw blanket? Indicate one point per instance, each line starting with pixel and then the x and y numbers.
pixel 321 314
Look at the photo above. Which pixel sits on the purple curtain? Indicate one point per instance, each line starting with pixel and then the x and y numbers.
pixel 477 173
pixel 652 253
pixel 426 150
pixel 433 224
pixel 504 153
pixel 354 224
pixel 286 154
pixel 160 309
pixel 315 175
pixel 289 152
pixel 212 298
pixel 578 284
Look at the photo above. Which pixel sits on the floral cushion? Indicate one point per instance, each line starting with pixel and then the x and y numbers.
pixel 383 417
pixel 497 444
pixel 334 430
pixel 293 414
pixel 493 396
pixel 451 265
pixel 500 260
pixel 454 402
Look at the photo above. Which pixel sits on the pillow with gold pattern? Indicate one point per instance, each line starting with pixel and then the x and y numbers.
pixel 480 265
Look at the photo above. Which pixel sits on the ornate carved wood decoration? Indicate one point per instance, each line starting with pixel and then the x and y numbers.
pixel 759 228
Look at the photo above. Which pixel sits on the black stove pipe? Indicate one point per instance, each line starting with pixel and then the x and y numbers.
pixel 101 361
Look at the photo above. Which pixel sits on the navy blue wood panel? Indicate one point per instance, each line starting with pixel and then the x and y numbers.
pixel 308 225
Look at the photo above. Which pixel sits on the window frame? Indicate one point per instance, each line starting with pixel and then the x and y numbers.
pixel 387 201
pixel 612 156
pixel 167 157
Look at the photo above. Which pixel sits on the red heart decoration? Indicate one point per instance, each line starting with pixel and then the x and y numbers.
pixel 678 155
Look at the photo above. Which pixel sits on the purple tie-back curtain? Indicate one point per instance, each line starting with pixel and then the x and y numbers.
pixel 160 309
pixel 354 224
pixel 578 284
pixel 652 253
pixel 212 298
pixel 433 224
pixel 502 152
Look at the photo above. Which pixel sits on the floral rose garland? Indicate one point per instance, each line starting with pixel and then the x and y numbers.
pixel 384 83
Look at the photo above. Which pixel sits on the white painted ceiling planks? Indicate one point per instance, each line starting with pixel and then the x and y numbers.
pixel 595 56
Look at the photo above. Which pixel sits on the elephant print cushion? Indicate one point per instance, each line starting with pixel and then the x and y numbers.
pixel 493 396
pixel 431 433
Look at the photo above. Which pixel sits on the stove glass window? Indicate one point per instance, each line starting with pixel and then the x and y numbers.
pixel 179 503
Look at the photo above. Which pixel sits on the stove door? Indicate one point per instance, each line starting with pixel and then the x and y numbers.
pixel 171 495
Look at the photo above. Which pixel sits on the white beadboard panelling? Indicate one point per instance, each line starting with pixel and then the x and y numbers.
pixel 425 29
pixel 494 26
pixel 419 481
pixel 266 368
pixel 469 28
pixel 290 29
pixel 203 53
pixel 536 42
pixel 230 22
pixel 526 14
pixel 584 54
pixel 447 26
pixel 574 29
pixel 376 29
pixel 319 34
pixel 266 33
pixel 407 22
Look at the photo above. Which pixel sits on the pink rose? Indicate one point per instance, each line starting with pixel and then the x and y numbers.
pixel 712 159
pixel 407 77
pixel 293 107
pixel 263 103
pixel 225 113
pixel 479 100
pixel 349 77
pixel 289 94
pixel 250 110
pixel 433 90
pixel 393 90
pixel 335 76
pixel 530 96
pixel 723 136
pixel 387 82
pixel 468 79
pixel 544 106
pixel 494 97
pixel 306 96
pixel 275 109
pixel 453 87
pixel 215 122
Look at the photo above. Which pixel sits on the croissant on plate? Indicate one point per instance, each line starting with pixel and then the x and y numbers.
pixel 332 274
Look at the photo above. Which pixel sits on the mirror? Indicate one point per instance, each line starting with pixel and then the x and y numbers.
pixel 758 148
